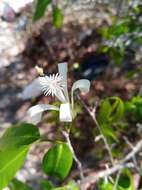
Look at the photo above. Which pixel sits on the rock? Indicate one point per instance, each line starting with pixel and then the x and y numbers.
pixel 17 5
pixel 4 62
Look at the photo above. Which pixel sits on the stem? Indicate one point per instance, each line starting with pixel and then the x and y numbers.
pixel 104 139
pixel 45 139
pixel 117 179
pixel 79 164
pixel 92 113
pixel 119 166
pixel 105 173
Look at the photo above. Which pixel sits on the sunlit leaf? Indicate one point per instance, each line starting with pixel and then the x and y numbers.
pixel 19 135
pixel 14 145
pixel 58 161
pixel 18 185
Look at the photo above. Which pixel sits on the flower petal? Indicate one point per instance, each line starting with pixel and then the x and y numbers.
pixel 59 94
pixel 63 69
pixel 83 85
pixel 32 90
pixel 65 113
pixel 35 112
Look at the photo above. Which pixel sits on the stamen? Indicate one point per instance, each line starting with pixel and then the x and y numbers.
pixel 52 84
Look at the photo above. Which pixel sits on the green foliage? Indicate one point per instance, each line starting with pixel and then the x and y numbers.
pixel 14 145
pixel 57 17
pixel 46 185
pixel 111 111
pixel 41 8
pixel 19 135
pixel 133 107
pixel 70 186
pixel 124 33
pixel 105 185
pixel 125 182
pixel 58 161
pixel 18 185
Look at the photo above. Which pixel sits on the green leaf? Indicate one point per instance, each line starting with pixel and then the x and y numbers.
pixel 14 145
pixel 108 132
pixel 58 161
pixel 46 185
pixel 40 9
pixel 133 108
pixel 126 181
pixel 111 110
pixel 117 109
pixel 19 135
pixel 57 17
pixel 18 185
pixel 11 161
pixel 104 112
pixel 60 188
pixel 70 186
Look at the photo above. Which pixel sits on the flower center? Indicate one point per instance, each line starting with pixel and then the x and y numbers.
pixel 52 84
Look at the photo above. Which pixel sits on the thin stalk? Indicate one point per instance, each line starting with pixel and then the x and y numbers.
pixel 79 164
pixel 92 113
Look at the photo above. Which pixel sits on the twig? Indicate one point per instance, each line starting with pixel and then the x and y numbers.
pixel 122 164
pixel 79 165
pixel 134 151
pixel 117 179
pixel 134 157
pixel 94 178
pixel 92 113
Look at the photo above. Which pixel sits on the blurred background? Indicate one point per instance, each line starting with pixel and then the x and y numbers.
pixel 101 40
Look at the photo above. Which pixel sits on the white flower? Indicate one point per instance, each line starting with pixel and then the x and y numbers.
pixel 55 85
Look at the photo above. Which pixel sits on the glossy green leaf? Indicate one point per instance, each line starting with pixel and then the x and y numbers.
pixel 19 135
pixel 11 161
pixel 14 145
pixel 57 17
pixel 126 181
pixel 18 185
pixel 41 7
pixel 58 161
